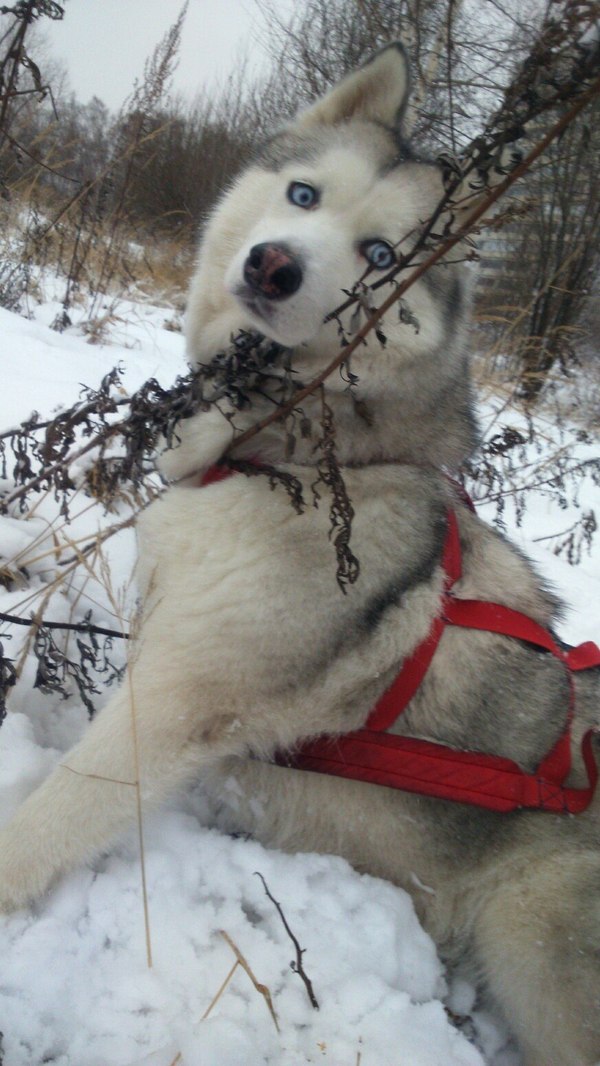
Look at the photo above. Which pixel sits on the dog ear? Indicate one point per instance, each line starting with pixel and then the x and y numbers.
pixel 377 91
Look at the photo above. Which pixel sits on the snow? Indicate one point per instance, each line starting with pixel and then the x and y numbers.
pixel 86 948
pixel 76 984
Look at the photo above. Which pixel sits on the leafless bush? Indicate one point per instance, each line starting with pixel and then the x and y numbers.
pixel 100 184
pixel 194 151
pixel 555 255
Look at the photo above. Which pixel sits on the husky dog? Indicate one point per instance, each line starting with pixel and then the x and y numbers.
pixel 248 647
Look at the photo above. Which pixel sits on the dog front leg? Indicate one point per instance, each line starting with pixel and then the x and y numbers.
pixel 155 735
pixel 200 442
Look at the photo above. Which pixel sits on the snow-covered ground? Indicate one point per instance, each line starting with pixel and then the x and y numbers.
pixel 76 986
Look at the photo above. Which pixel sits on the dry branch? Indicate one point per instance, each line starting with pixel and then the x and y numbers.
pixel 296 965
pixel 73 627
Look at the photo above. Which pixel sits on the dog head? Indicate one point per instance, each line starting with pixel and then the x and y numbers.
pixel 334 195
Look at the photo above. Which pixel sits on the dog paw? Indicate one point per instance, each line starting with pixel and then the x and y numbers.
pixel 173 464
pixel 23 874
pixel 201 440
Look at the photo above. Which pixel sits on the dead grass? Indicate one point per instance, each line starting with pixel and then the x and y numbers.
pixel 570 389
pixel 92 262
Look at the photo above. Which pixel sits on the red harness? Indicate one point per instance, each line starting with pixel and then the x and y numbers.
pixel 421 766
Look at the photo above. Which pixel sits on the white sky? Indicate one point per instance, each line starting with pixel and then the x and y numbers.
pixel 104 43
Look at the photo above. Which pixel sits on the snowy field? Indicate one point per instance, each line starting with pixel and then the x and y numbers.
pixel 76 987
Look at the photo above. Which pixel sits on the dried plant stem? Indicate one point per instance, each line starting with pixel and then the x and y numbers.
pixel 62 464
pixel 105 535
pixel 218 995
pixel 70 565
pixel 464 231
pixel 34 625
pixel 52 587
pixel 136 783
pixel 264 991
pixel 98 777
pixel 577 468
pixel 22 558
pixel 138 787
pixel 73 627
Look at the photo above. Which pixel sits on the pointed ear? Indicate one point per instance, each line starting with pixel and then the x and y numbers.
pixel 377 91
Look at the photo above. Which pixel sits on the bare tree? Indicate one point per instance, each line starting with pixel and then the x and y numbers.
pixel 191 153
pixel 20 76
pixel 462 54
pixel 555 254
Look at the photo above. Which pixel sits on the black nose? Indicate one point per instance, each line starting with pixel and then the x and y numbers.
pixel 272 271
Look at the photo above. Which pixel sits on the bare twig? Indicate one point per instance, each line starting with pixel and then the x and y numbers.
pixel 74 627
pixel 296 964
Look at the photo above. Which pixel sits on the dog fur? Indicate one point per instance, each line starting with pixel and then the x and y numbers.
pixel 247 644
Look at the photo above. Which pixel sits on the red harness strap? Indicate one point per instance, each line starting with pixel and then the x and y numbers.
pixel 427 768
pixel 431 769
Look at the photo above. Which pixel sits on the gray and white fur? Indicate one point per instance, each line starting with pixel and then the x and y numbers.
pixel 247 644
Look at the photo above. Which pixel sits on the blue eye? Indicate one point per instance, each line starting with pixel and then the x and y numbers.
pixel 302 195
pixel 379 254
